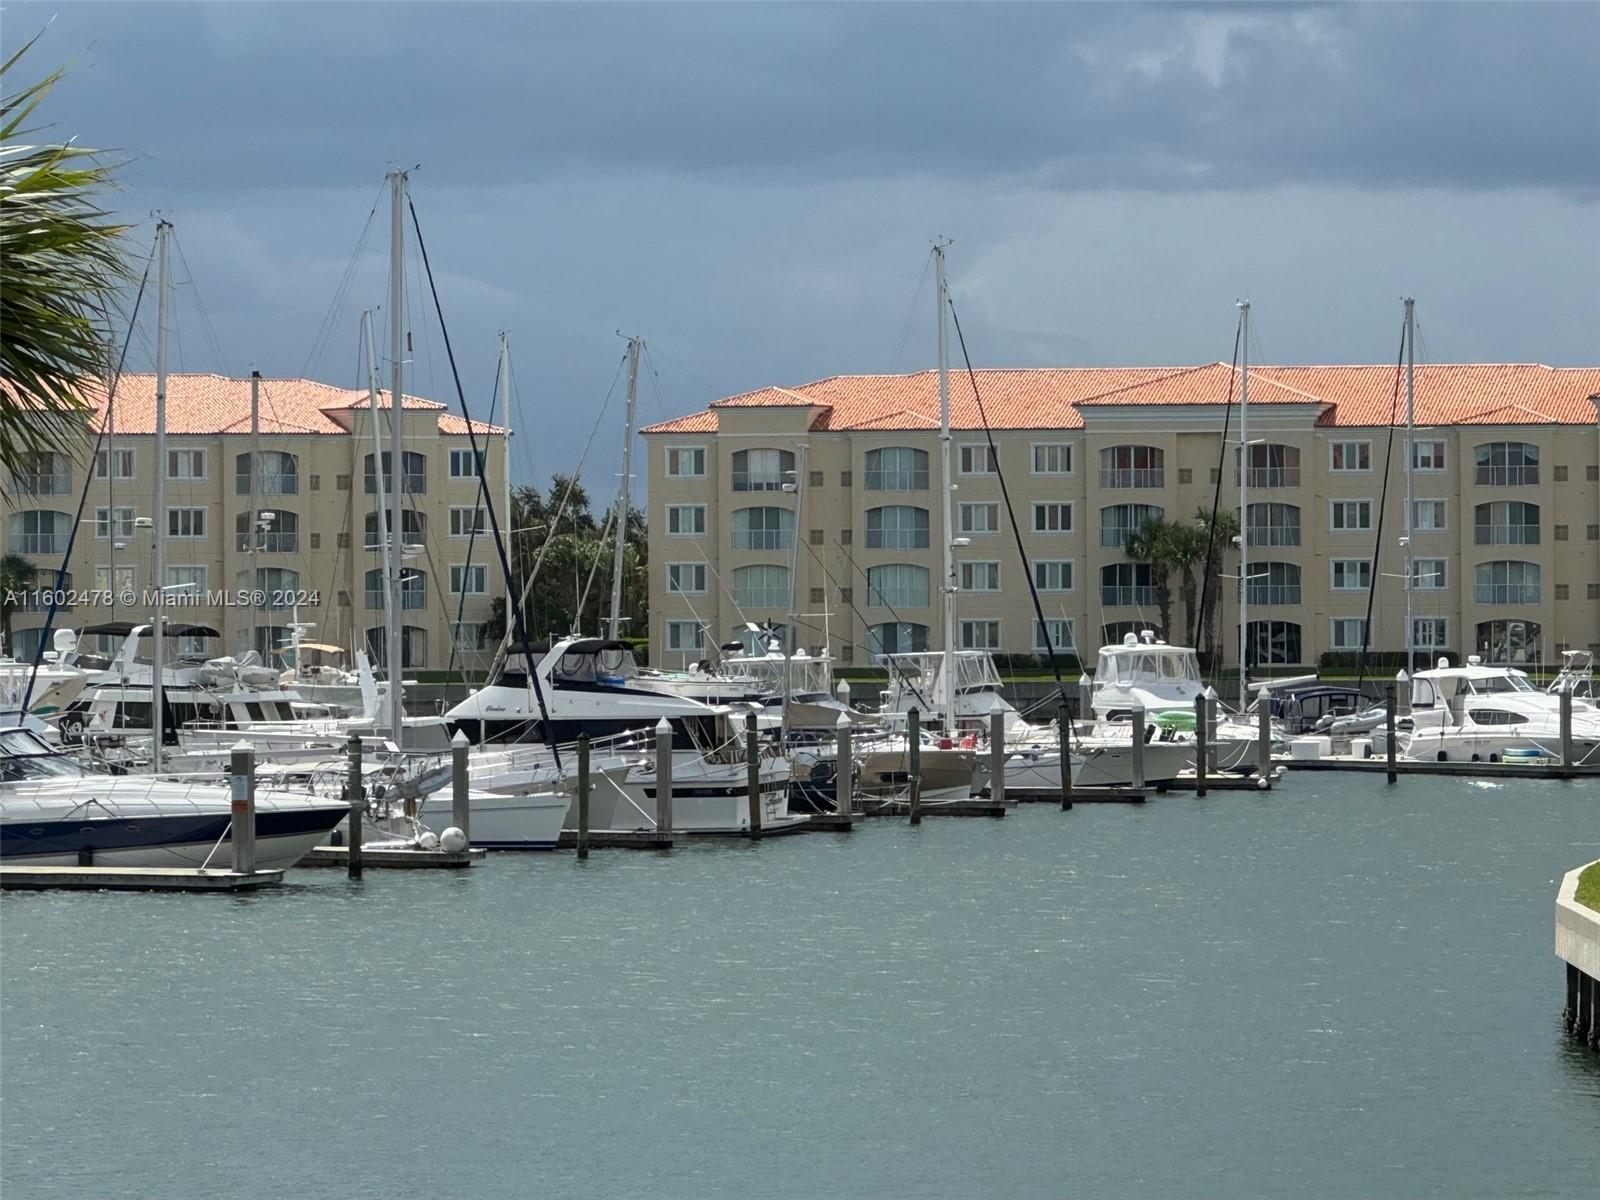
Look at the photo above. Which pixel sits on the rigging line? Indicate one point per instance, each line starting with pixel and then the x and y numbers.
pixel 205 314
pixel 83 496
pixel 494 522
pixel 321 339
pixel 472 534
pixel 1216 502
pixel 894 667
pixel 1377 537
pixel 594 565
pixel 916 299
pixel 1016 530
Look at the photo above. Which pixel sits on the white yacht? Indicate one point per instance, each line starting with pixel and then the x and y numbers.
pixel 54 685
pixel 1478 713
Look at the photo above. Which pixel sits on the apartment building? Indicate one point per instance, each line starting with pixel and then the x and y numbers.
pixel 820 506
pixel 250 550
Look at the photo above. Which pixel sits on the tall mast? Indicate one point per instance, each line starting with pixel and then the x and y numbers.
pixel 253 521
pixel 947 686
pixel 792 619
pixel 621 520
pixel 159 523
pixel 374 386
pixel 1244 504
pixel 397 420
pixel 483 470
pixel 1411 465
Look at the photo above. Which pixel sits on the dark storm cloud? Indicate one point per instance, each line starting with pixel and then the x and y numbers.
pixel 1078 96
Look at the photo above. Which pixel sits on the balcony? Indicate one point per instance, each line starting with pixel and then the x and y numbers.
pixel 1505 535
pixel 892 481
pixel 1271 477
pixel 763 539
pixel 756 481
pixel 36 484
pixel 1515 475
pixel 1274 535
pixel 1507 593
pixel 40 543
pixel 1268 594
pixel 1137 596
pixel 1133 477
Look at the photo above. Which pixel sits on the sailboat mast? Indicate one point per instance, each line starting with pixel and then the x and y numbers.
pixel 1244 504
pixel 397 322
pixel 621 520
pixel 253 526
pixel 947 686
pixel 483 468
pixel 1411 465
pixel 159 523
pixel 374 386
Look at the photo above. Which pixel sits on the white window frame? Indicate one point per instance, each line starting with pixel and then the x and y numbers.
pixel 674 578
pixel 1061 449
pixel 191 455
pixel 672 452
pixel 674 630
pixel 1069 646
pixel 1064 570
pixel 194 586
pixel 1338 470
pixel 969 454
pixel 461 573
pixel 174 511
pixel 1419 583
pixel 114 455
pixel 1333 574
pixel 1438 462
pixel 968 507
pixel 1441 642
pixel 970 574
pixel 464 454
pixel 970 625
pixel 1334 505
pixel 1444 507
pixel 1040 505
pixel 675 511
pixel 482 521
pixel 1334 624
pixel 109 524
pixel 126 578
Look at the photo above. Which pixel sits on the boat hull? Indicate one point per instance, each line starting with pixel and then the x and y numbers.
pixel 526 821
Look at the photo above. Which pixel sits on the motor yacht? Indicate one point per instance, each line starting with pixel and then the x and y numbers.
pixel 1479 713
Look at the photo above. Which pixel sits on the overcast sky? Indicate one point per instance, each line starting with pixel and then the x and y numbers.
pixel 753 188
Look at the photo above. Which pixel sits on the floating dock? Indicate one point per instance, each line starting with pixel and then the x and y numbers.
pixel 1475 770
pixel 415 860
pixel 977 806
pixel 617 839
pixel 134 879
pixel 1081 795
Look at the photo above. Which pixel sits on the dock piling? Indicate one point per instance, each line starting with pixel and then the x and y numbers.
pixel 914 763
pixel 1136 719
pixel 242 781
pixel 997 752
pixel 1390 748
pixel 1569 1014
pixel 1201 747
pixel 1264 736
pixel 460 808
pixel 752 758
pixel 583 796
pixel 664 777
pixel 1566 724
pixel 354 793
pixel 844 777
pixel 1064 724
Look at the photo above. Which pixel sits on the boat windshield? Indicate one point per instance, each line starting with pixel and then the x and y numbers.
pixel 1150 666
pixel 23 756
pixel 1493 684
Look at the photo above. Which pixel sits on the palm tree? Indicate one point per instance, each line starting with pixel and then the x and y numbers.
pixel 1220 539
pixel 63 263
pixel 17 575
pixel 1186 549
pixel 1151 543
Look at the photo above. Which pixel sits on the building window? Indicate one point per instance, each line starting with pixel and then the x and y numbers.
pixel 1060 638
pixel 1427 456
pixel 1127 585
pixel 977 460
pixel 1132 467
pixel 187 464
pixel 113 522
pixel 276 532
pixel 470 636
pixel 1429 574
pixel 186 581
pixel 1052 574
pixel 1429 633
pixel 897 637
pixel 686 520
pixel 1052 517
pixel 280 586
pixel 1052 458
pixel 116 463
pixel 686 462
pixel 894 527
pixel 1350 456
pixel 413 528
pixel 897 585
pixel 1273 583
pixel 1510 643
pixel 1271 466
pixel 1561 532
pixel 464 464
pixel 413 645
pixel 1350 516
pixel 44 473
pixel 1505 523
pixel 1507 582
pixel 897 469
pixel 186 522
pixel 763 529
pixel 1427 516
pixel 468 521
pixel 1273 643
pixel 280 474
pixel 416 474
pixel 116 579
pixel 413 588
pixel 1120 522
pixel 762 470
pixel 1351 574
pixel 686 636
pixel 813 478
pixel 686 579
pixel 469 579
pixel 980 635
pixel 1349 633
pixel 1563 591
pixel 1505 464
pixel 761 586
pixel 978 517
pixel 980 577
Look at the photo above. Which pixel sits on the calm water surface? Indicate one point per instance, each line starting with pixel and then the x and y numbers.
pixel 1336 990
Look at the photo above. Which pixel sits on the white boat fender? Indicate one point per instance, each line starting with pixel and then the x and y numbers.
pixel 428 840
pixel 453 840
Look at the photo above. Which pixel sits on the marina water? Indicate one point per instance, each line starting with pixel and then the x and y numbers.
pixel 1338 989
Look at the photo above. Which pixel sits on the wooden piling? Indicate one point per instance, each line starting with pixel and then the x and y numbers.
pixel 1064 721
pixel 460 805
pixel 1566 724
pixel 844 776
pixel 914 763
pixel 1264 735
pixel 583 796
pixel 355 793
pixel 1569 1013
pixel 1136 719
pixel 752 758
pixel 997 752
pixel 664 777
pixel 242 781
pixel 1201 744
pixel 1391 748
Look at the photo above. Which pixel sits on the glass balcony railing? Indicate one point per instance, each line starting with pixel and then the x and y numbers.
pixel 1271 477
pixel 1273 593
pixel 1507 593
pixel 1506 476
pixel 1126 597
pixel 1274 535
pixel 1505 535
pixel 1133 477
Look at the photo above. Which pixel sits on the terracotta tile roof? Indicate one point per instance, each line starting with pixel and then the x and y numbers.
pixel 215 404
pixel 1050 398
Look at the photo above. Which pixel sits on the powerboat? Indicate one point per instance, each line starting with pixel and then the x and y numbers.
pixel 1479 713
